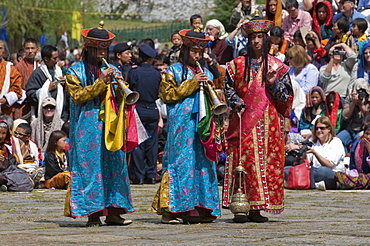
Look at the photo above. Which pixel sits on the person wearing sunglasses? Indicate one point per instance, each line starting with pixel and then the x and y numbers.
pixel 48 120
pixel 326 154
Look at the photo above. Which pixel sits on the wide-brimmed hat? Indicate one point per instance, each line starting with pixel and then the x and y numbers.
pixel 257 24
pixel 97 37
pixel 194 39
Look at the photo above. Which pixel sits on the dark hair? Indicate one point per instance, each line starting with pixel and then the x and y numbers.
pixel 308 110
pixel 27 127
pixel 147 41
pixel 291 3
pixel 29 40
pixel 250 55
pixel 162 58
pixel 53 139
pixel 367 127
pixel 20 54
pixel 193 17
pixel 298 34
pixel 309 38
pixel 47 51
pixel 360 23
pixel 65 127
pixel 343 24
pixel 320 5
pixel 277 31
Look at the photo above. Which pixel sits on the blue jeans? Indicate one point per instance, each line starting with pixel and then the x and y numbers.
pixel 320 173
pixel 347 137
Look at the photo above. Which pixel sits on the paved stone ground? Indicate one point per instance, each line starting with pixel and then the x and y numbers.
pixel 310 218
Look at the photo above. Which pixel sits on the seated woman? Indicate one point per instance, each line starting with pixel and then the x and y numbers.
pixel 334 110
pixel 301 68
pixel 315 107
pixel 48 120
pixel 326 154
pixel 279 45
pixel 56 164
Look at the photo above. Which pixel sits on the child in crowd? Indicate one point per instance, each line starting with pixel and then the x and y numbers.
pixel 56 164
pixel 315 107
pixel 175 50
pixel 196 21
pixel 162 62
pixel 359 27
pixel 334 110
pixel 278 45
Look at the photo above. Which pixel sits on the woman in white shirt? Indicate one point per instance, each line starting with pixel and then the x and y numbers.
pixel 326 154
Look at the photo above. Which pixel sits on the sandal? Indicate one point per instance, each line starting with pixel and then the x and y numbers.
pixel 168 218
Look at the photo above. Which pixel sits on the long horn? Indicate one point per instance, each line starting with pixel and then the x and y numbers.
pixel 217 106
pixel 131 97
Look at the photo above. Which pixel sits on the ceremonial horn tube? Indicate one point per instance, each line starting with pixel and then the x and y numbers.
pixel 131 97
pixel 218 107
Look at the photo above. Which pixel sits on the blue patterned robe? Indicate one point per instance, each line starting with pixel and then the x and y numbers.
pixel 192 177
pixel 99 177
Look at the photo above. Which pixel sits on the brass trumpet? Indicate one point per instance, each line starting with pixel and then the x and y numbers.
pixel 217 106
pixel 131 97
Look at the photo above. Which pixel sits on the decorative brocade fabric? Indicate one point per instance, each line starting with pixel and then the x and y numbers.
pixel 99 178
pixel 192 179
pixel 262 136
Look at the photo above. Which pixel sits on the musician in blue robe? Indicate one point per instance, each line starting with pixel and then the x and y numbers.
pixel 99 180
pixel 188 189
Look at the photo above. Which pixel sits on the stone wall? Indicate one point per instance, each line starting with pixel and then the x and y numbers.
pixel 157 10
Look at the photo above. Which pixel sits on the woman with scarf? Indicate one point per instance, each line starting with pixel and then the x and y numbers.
pixel 261 95
pixel 217 33
pixel 322 20
pixel 334 110
pixel 188 189
pixel 47 121
pixel 361 69
pixel 275 12
pixel 315 107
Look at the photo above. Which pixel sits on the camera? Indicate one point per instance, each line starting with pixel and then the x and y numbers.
pixel 361 94
pixel 304 148
pixel 339 52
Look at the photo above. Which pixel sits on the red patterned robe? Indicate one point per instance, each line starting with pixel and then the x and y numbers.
pixel 262 134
